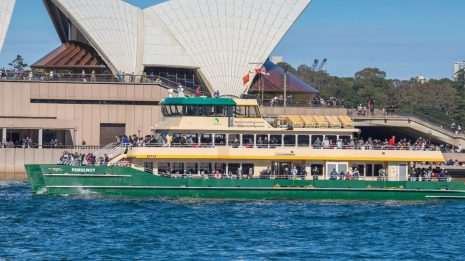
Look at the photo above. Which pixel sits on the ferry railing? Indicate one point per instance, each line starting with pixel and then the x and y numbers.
pixel 276 146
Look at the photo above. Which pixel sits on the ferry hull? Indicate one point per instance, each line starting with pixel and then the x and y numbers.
pixel 118 181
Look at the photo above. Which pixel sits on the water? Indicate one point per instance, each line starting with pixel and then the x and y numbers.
pixel 102 228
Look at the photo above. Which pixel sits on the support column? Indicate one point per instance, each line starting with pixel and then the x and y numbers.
pixel 3 136
pixel 75 137
pixel 40 139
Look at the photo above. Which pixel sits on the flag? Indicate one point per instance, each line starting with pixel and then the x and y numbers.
pixel 246 79
pixel 261 71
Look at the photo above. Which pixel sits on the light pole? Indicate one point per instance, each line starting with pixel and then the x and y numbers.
pixel 285 91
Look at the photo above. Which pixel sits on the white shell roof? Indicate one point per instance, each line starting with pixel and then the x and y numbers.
pixel 227 38
pixel 224 39
pixel 111 26
pixel 6 10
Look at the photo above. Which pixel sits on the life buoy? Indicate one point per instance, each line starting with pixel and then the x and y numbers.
pixel 217 176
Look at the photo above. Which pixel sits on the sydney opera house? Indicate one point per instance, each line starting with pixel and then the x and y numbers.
pixel 215 45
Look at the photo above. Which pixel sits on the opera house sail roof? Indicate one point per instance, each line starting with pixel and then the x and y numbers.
pixel 6 10
pixel 221 40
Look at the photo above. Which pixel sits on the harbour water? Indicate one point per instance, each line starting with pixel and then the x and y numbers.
pixel 106 228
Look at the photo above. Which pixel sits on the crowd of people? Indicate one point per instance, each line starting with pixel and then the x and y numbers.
pixel 79 159
pixel 429 174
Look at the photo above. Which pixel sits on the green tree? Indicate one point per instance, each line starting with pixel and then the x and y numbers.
pixel 18 63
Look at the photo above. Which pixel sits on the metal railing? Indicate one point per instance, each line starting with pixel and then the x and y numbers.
pixel 100 78
pixel 408 115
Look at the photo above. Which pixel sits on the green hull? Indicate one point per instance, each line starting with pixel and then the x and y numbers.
pixel 68 180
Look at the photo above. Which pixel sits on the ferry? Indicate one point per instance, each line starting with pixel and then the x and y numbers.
pixel 224 148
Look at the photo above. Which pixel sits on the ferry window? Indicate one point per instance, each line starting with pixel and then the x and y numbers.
pixel 377 167
pixel 164 168
pixel 206 139
pixel 345 139
pixel 289 140
pixel 233 168
pixel 192 138
pixel 221 167
pixel 262 141
pixel 253 112
pixel 317 169
pixel 360 167
pixel 220 139
pixel 369 170
pixel 148 166
pixel 234 140
pixel 316 138
pixel 164 111
pixel 240 112
pixel 275 140
pixel 191 168
pixel 332 139
pixel 248 169
pixel 248 140
pixel 303 140
pixel 177 168
pixel 205 168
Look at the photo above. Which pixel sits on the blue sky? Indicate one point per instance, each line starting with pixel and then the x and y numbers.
pixel 403 37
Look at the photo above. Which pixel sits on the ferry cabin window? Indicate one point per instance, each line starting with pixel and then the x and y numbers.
pixel 234 140
pixel 196 110
pixel 303 140
pixel 275 140
pixel 246 112
pixel 220 139
pixel 205 168
pixel 164 168
pixel 316 169
pixel 191 168
pixel 248 140
pixel 233 168
pixel 360 168
pixel 372 170
pixel 289 140
pixel 248 169
pixel 220 167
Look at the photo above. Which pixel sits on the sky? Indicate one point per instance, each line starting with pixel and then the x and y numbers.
pixel 405 38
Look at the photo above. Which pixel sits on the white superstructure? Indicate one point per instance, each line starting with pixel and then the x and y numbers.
pixel 6 10
pixel 222 40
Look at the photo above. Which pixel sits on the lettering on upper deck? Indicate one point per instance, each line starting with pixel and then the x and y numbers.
pixel 151 156
pixel 82 170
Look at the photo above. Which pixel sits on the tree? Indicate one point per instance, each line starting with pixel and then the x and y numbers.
pixel 18 63
pixel 370 74
pixel 460 79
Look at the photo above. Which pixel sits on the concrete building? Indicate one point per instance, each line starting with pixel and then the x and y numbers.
pixel 6 10
pixel 458 66
pixel 217 41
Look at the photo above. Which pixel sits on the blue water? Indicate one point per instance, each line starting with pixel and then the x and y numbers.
pixel 92 227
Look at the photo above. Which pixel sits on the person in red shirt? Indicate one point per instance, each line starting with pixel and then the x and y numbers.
pixel 392 141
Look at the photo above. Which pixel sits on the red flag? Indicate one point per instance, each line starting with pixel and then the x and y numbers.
pixel 246 79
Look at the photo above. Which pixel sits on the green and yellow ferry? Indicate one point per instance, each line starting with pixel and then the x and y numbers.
pixel 224 148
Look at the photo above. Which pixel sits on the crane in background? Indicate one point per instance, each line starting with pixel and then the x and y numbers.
pixel 317 66
pixel 322 65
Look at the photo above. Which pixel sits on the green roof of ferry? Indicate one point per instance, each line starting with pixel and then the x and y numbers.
pixel 199 101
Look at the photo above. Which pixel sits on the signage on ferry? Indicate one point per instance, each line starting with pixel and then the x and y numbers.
pixel 82 170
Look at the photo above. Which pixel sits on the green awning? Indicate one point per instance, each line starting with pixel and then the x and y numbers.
pixel 199 101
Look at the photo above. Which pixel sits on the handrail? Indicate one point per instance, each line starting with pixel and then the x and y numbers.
pixel 417 117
